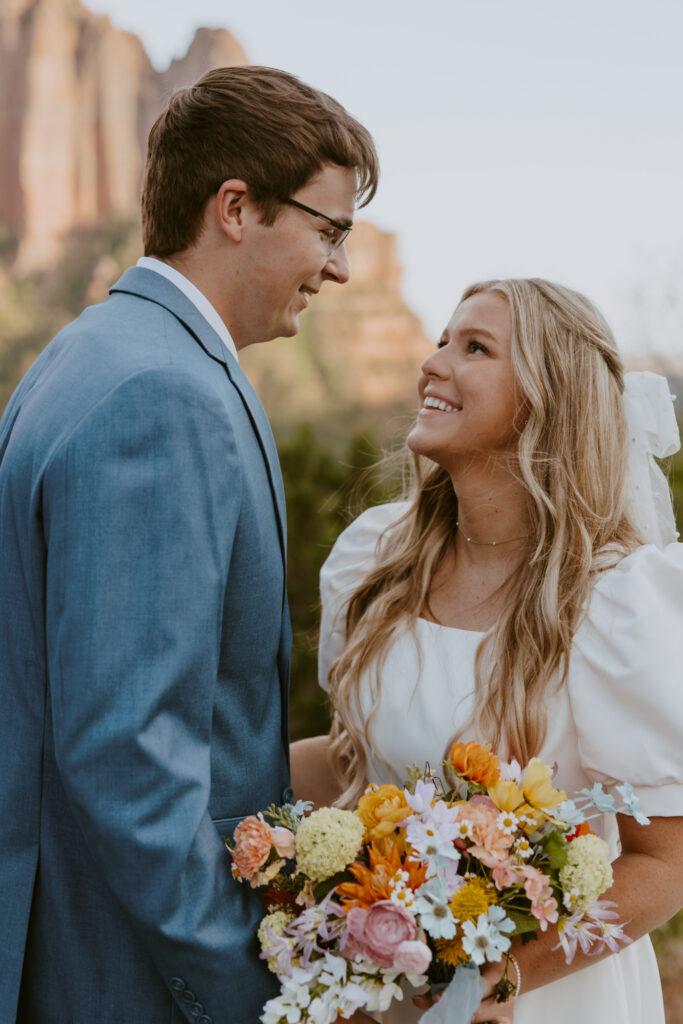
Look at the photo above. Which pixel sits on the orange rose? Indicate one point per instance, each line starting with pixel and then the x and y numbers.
pixel 382 810
pixel 253 842
pixel 475 762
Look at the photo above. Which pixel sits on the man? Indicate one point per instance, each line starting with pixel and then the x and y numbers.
pixel 144 641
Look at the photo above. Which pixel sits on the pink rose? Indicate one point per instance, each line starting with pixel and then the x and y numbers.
pixel 283 841
pixel 379 931
pixel 414 957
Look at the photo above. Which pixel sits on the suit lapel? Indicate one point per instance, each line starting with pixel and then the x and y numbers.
pixel 147 284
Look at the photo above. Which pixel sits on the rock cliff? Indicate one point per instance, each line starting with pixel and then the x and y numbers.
pixel 77 99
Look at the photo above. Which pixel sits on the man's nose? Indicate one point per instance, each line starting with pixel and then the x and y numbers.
pixel 337 267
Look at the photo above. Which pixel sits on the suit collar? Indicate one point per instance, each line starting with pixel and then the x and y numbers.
pixel 148 284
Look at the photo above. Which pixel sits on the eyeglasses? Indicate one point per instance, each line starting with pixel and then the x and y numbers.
pixel 334 238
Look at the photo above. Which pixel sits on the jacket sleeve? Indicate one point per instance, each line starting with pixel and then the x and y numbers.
pixel 141 509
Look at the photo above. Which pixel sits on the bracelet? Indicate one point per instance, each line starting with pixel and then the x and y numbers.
pixel 518 987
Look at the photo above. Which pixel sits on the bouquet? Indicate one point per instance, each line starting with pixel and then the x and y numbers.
pixel 423 885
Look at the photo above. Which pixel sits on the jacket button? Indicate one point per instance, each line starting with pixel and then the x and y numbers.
pixel 288 795
pixel 205 1019
pixel 178 984
pixel 188 995
pixel 196 1010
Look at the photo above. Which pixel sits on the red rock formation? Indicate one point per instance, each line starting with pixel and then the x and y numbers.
pixel 77 99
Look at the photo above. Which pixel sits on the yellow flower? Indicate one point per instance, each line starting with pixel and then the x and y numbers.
pixel 475 762
pixel 450 951
pixel 535 794
pixel 506 795
pixel 382 810
pixel 538 790
pixel 473 899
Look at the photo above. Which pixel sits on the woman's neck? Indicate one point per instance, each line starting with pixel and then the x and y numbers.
pixel 493 514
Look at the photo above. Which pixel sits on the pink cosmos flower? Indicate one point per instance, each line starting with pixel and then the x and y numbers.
pixel 378 932
pixel 601 915
pixel 545 911
pixel 506 873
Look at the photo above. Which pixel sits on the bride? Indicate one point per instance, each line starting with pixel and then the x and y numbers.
pixel 529 593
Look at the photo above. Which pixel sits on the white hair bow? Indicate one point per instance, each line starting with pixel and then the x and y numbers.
pixel 652 431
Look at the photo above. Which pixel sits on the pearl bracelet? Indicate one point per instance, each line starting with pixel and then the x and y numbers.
pixel 518 973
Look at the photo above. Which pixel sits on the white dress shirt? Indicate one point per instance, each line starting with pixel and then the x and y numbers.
pixel 197 298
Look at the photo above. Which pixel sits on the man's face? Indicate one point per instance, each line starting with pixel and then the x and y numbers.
pixel 281 266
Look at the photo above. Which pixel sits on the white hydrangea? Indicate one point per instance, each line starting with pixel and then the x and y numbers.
pixel 327 841
pixel 588 871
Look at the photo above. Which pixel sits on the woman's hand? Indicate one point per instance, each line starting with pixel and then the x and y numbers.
pixel 489 1011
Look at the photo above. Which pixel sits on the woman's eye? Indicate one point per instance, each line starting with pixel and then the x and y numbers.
pixel 476 346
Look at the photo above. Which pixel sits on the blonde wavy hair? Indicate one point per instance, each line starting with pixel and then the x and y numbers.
pixel 572 461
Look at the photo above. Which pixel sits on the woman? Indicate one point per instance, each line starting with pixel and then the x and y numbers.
pixel 513 599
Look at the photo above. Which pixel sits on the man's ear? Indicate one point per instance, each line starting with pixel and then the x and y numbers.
pixel 229 202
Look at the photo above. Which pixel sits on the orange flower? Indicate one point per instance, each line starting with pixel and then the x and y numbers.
pixel 253 842
pixel 382 810
pixel 374 883
pixel 583 829
pixel 475 762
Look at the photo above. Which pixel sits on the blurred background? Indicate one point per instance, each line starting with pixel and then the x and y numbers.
pixel 516 139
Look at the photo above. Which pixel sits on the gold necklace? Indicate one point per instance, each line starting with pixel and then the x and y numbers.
pixel 490 543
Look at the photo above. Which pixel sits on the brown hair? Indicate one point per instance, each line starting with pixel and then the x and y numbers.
pixel 255 123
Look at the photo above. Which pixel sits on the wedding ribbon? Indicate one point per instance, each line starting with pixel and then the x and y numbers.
pixel 652 431
pixel 459 1001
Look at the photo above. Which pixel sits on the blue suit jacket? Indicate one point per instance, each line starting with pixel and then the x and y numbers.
pixel 144 658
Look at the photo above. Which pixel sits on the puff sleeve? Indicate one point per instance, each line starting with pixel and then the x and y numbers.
pixel 350 560
pixel 626 679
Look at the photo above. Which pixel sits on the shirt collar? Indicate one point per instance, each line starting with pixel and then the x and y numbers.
pixel 197 298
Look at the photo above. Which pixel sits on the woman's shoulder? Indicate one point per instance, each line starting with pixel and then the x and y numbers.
pixel 625 677
pixel 357 546
pixel 649 574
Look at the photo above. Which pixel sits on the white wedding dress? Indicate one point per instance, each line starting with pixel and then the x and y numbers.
pixel 618 717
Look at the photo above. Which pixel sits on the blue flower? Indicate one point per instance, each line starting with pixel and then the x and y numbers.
pixel 597 796
pixel 631 803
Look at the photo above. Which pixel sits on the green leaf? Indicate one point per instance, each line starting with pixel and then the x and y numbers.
pixel 556 849
pixel 524 923
pixel 321 890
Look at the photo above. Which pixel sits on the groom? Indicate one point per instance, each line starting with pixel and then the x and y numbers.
pixel 144 635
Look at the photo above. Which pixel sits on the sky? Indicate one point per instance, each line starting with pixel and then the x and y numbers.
pixel 516 137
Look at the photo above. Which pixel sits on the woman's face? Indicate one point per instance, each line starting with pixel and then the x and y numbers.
pixel 469 401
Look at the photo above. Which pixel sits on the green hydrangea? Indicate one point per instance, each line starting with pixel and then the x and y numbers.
pixel 276 923
pixel 587 871
pixel 327 841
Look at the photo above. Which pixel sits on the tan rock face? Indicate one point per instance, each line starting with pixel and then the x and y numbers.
pixel 77 99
